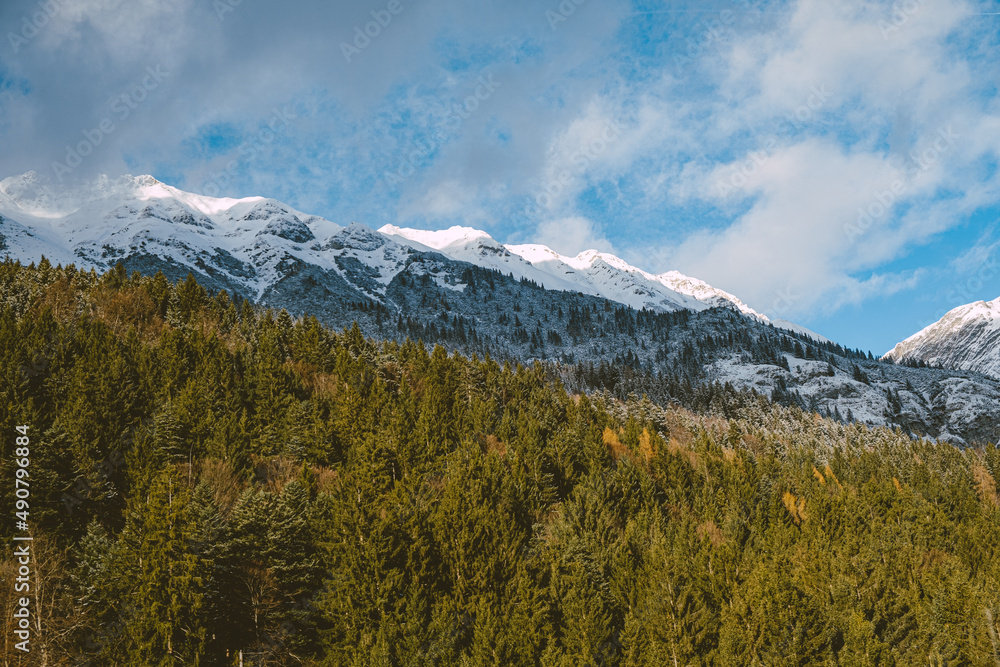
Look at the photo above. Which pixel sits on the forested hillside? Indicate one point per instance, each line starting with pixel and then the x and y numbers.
pixel 210 479
pixel 480 311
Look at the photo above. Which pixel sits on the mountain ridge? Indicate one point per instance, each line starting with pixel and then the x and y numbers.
pixel 477 296
pixel 139 217
pixel 965 338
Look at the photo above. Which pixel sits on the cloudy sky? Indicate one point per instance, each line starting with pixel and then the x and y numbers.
pixel 833 162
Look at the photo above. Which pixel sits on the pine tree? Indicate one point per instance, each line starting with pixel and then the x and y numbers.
pixel 163 628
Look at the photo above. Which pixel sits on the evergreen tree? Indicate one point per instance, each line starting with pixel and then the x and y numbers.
pixel 167 590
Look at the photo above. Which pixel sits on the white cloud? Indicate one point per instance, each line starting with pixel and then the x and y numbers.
pixel 983 255
pixel 577 153
pixel 571 236
pixel 796 232
pixel 845 46
pixel 800 185
pixel 446 202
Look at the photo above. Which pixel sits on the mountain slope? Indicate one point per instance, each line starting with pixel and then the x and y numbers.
pixel 252 245
pixel 240 244
pixel 351 497
pixel 591 272
pixel 606 324
pixel 966 338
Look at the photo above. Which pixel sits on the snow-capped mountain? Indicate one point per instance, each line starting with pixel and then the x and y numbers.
pixel 242 244
pixel 966 338
pixel 602 318
pixel 591 272
pixel 250 245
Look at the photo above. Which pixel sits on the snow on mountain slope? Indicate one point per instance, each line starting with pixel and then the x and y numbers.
pixel 705 293
pixel 466 244
pixel 798 328
pixel 966 338
pixel 591 272
pixel 247 244
pixel 251 244
pixel 454 238
pixel 613 278
pixel 402 282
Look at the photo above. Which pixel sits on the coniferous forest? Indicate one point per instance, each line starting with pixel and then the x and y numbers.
pixel 212 482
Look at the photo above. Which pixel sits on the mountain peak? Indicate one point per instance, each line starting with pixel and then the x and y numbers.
pixel 27 178
pixel 591 272
pixel 966 338
pixel 32 192
pixel 701 290
pixel 438 239
pixel 145 181
pixel 588 258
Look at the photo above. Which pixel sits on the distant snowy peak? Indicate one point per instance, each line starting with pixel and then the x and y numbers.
pixel 466 244
pixel 453 237
pixel 798 328
pixel 590 272
pixel 34 196
pixel 589 258
pixel 704 292
pixel 966 338
pixel 980 311
pixel 595 262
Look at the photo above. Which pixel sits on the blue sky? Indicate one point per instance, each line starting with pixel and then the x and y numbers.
pixel 830 162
